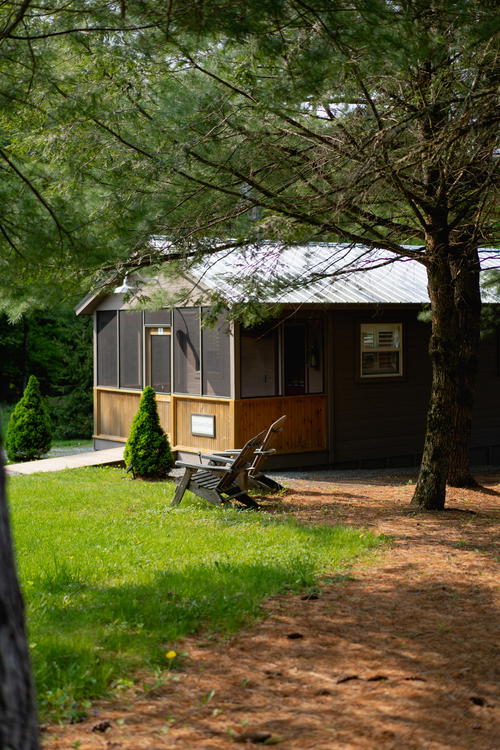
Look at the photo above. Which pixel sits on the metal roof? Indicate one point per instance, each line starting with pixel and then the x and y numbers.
pixel 296 275
pixel 355 275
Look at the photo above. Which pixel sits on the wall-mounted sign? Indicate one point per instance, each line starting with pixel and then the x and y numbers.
pixel 203 425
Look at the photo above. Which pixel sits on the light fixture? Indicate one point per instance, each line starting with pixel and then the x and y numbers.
pixel 124 287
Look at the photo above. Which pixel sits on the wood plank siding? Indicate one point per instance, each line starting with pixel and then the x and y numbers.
pixel 306 427
pixel 236 421
pixel 218 408
pixel 115 409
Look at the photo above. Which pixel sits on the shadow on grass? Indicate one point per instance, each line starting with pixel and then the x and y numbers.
pixel 89 635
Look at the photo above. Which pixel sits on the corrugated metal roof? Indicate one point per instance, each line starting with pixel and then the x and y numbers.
pixel 293 275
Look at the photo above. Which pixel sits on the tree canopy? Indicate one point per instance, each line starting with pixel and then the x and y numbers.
pixel 289 121
pixel 297 120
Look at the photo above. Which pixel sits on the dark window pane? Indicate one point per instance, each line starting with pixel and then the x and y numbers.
pixel 380 363
pixel 216 366
pixel 160 363
pixel 295 359
pixel 187 350
pixel 158 317
pixel 259 352
pixel 315 357
pixel 107 348
pixel 130 349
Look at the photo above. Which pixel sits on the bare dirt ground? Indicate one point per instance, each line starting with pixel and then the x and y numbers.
pixel 401 653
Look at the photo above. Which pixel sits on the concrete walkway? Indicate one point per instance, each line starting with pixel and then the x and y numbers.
pixel 90 458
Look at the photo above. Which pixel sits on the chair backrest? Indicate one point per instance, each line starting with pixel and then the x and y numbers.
pixel 265 449
pixel 242 460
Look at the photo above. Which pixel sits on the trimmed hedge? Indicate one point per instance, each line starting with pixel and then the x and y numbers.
pixel 29 434
pixel 147 451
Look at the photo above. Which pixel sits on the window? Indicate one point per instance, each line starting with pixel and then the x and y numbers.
pixel 282 358
pixel 381 349
pixel 294 359
pixel 259 361
pixel 315 369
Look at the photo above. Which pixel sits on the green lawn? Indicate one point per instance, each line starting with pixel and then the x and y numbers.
pixel 113 577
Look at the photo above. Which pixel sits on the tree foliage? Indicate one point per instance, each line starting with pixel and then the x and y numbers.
pixel 374 123
pixel 56 346
pixel 29 433
pixel 147 451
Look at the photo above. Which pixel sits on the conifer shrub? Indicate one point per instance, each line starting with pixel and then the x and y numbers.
pixel 147 451
pixel 29 434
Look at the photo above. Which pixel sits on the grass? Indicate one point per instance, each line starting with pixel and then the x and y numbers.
pixel 113 577
pixel 73 443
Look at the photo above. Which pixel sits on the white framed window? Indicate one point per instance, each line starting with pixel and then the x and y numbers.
pixel 381 350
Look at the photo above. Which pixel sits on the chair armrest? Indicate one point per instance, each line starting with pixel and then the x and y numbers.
pixel 220 457
pixel 200 467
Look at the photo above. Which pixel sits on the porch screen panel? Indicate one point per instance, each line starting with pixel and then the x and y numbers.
pixel 107 347
pixel 216 365
pixel 158 317
pixel 294 359
pixel 315 356
pixel 130 349
pixel 259 361
pixel 160 363
pixel 187 351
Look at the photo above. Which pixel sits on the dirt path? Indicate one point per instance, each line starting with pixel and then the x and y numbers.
pixel 400 654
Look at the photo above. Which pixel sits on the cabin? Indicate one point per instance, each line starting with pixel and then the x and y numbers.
pixel 344 357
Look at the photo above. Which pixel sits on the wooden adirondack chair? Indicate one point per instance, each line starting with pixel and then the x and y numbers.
pixel 221 482
pixel 256 478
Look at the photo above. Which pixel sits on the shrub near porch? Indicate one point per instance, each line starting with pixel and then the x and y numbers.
pixel 113 577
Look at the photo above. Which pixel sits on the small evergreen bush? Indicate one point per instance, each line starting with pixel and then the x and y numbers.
pixel 147 452
pixel 29 433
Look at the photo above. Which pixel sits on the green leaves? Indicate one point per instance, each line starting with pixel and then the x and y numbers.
pixel 147 451
pixel 285 120
pixel 29 433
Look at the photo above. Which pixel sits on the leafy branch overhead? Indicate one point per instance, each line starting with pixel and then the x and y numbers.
pixel 249 120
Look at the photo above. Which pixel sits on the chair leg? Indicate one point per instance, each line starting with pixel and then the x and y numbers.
pixel 182 487
pixel 247 501
pixel 243 498
pixel 260 481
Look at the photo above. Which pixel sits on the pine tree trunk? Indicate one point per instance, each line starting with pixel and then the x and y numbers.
pixel 18 722
pixel 468 305
pixel 430 490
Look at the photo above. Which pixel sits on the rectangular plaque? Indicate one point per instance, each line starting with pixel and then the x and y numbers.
pixel 203 425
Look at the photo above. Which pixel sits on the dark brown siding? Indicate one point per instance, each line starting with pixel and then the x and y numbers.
pixel 382 422
pixel 486 420
pixel 380 418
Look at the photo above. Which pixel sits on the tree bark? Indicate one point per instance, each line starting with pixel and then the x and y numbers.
pixel 18 720
pixel 468 306
pixel 430 490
